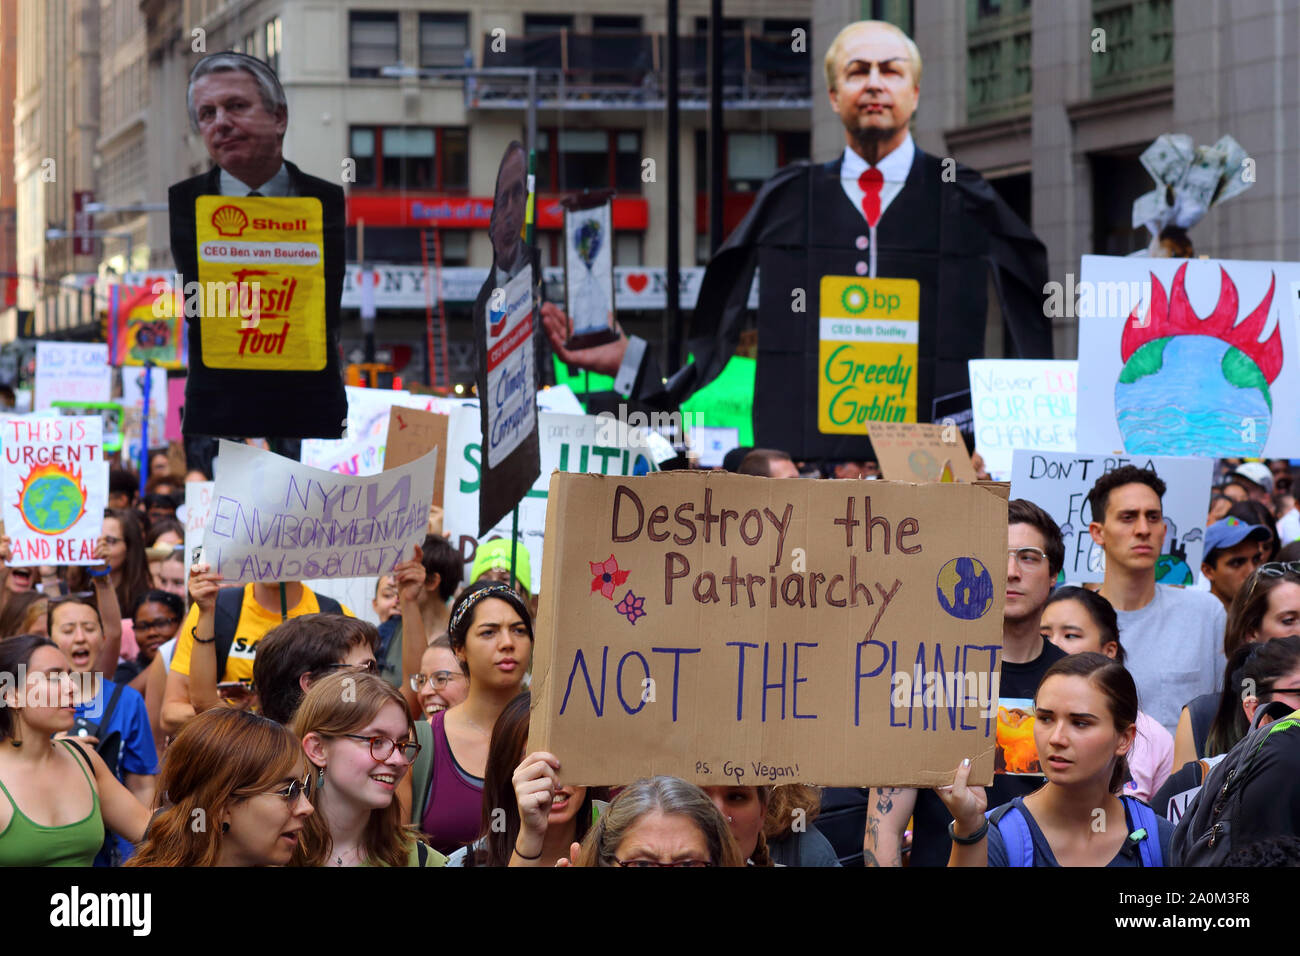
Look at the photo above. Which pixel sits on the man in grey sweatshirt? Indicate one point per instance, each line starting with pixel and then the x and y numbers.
pixel 1173 636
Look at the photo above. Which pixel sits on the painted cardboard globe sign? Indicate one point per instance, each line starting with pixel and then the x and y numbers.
pixel 965 588
pixel 52 499
pixel 1166 404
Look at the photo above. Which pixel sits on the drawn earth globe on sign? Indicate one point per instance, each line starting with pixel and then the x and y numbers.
pixel 965 588
pixel 1167 404
pixel 51 499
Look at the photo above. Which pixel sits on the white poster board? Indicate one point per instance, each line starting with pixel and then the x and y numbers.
pixel 1059 484
pixel 1021 403
pixel 1189 357
pixel 72 372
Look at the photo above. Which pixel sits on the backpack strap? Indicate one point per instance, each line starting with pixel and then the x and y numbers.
pixel 230 603
pixel 1014 832
pixel 111 707
pixel 327 604
pixel 1141 818
pixel 422 771
pixel 422 852
pixel 77 747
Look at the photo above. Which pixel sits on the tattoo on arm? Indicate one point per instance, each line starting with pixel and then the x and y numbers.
pixel 885 800
pixel 869 859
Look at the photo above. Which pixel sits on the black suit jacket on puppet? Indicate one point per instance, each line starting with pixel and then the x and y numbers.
pixel 950 236
pixel 274 404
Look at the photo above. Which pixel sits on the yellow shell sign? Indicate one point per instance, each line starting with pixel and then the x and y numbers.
pixel 866 368
pixel 262 282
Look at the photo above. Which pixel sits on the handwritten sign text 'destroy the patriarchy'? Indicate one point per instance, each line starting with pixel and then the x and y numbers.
pixel 273 519
pixel 728 629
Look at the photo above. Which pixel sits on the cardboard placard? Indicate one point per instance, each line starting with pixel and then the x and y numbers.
pixel 1022 403
pixel 361 450
pixel 735 630
pixel 1059 484
pixel 71 372
pixel 917 451
pixel 1186 357
pixel 55 482
pixel 274 519
pixel 412 433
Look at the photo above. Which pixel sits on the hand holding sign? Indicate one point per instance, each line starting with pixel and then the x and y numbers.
pixel 604 359
pixel 966 804
pixel 204 587
pixel 535 781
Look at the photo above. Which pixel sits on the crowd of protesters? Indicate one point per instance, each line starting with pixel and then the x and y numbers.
pixel 267 725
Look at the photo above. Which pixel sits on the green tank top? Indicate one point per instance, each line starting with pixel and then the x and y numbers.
pixel 24 843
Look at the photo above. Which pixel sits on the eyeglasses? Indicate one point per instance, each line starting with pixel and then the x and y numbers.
pixel 365 667
pixel 381 748
pixel 643 864
pixel 440 679
pixel 111 541
pixel 1272 569
pixel 1028 559
pixel 156 624
pixel 1283 690
pixel 298 787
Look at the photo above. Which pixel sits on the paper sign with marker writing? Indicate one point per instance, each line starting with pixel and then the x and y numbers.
pixel 918 451
pixel 274 519
pixel 735 630
pixel 1022 403
pixel 198 500
pixel 1059 484
pixel 71 372
pixel 55 482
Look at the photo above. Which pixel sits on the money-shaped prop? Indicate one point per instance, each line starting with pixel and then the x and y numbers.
pixel 1190 180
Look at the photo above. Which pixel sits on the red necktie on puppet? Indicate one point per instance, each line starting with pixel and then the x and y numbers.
pixel 871 181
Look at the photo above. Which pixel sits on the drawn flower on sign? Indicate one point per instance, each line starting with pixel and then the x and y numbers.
pixel 631 607
pixel 606 576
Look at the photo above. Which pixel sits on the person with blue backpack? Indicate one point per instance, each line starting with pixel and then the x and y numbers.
pixel 1085 714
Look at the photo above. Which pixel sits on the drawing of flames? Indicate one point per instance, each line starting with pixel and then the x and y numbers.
pixel 1198 386
pixel 229 221
pixel 51 498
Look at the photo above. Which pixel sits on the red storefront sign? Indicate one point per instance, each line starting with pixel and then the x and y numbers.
pixel 469 212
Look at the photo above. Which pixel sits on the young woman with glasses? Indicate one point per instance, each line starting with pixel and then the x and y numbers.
pixel 441 682
pixel 360 741
pixel 236 791
pixel 1266 606
pixel 157 615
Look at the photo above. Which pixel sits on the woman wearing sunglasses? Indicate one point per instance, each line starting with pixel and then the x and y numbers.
pixel 360 740
pixel 236 791
pixel 1266 606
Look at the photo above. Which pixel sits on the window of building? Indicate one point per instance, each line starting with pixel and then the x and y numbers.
pixel 609 23
pixel 590 159
pixel 444 38
pixel 411 157
pixel 455 247
pixel 540 24
pixel 627 248
pixel 733 25
pixel 749 159
pixel 271 31
pixel 786 28
pixel 373 42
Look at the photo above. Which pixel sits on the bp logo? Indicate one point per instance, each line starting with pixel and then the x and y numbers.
pixel 854 299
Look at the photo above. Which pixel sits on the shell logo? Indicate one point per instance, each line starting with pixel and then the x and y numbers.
pixel 229 221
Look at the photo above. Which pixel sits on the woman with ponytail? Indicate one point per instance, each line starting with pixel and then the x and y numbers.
pixel 1085 715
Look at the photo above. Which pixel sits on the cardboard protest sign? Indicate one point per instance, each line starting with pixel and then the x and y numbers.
pixel 55 482
pixel 1059 484
pixel 273 519
pixel 584 443
pixel 727 401
pixel 412 433
pixel 198 501
pixel 869 333
pixel 175 402
pixel 361 450
pixel 917 451
pixel 1022 403
pixel 505 325
pixel 111 414
pixel 1189 357
pixel 736 630
pixel 71 372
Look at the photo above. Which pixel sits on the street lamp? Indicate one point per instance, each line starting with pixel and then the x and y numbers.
pixel 95 207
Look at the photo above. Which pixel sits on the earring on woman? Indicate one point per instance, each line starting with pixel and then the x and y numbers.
pixel 225 828
pixel 16 739
pixel 320 779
